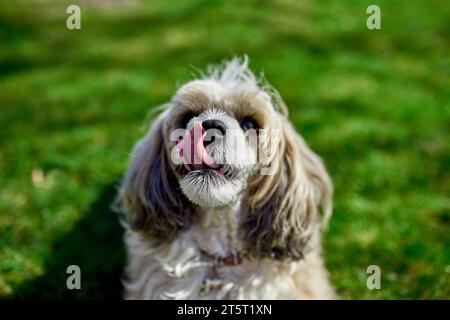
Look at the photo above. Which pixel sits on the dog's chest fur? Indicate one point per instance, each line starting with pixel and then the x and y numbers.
pixel 217 232
pixel 178 270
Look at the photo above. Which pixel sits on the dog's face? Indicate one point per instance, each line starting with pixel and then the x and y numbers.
pixel 215 134
pixel 225 140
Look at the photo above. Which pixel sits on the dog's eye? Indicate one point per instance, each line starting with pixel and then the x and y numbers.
pixel 248 123
pixel 186 118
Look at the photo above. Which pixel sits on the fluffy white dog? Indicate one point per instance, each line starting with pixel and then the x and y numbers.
pixel 222 197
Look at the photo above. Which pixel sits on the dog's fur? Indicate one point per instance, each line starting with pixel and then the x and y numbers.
pixel 178 220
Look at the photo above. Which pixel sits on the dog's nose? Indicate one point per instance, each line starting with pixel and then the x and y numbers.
pixel 214 124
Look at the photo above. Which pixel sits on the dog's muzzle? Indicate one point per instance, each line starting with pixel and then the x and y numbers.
pixel 193 147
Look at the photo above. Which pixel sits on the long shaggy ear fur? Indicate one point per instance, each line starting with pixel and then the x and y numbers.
pixel 150 195
pixel 282 208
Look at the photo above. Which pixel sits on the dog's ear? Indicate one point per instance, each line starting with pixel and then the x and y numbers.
pixel 150 195
pixel 282 207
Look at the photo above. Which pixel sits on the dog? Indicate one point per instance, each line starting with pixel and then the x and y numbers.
pixel 233 214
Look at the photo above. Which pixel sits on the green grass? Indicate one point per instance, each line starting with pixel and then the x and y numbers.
pixel 374 104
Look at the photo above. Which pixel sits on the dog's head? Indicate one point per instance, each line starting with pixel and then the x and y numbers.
pixel 225 140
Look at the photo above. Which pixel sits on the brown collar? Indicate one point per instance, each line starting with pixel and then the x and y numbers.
pixel 214 282
pixel 230 260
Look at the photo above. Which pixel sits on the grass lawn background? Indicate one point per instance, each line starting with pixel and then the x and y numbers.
pixel 374 104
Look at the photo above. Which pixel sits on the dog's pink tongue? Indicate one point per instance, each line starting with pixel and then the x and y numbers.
pixel 198 155
pixel 200 149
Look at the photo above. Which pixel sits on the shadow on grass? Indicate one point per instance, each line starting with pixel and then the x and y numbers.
pixel 95 245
